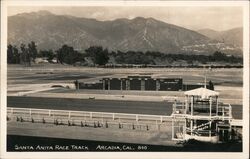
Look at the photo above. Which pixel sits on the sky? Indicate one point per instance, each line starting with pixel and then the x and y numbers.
pixel 194 18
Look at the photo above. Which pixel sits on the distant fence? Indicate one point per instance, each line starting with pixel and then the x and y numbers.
pixel 78 115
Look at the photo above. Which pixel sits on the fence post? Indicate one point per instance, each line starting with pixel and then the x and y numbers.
pixel 230 111
pixel 12 111
pixel 173 133
pixel 49 112
pixel 161 119
pixel 136 117
pixel 69 114
pixel 30 112
pixel 223 113
pixel 113 116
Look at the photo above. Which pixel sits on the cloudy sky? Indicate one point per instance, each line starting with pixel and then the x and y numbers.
pixel 217 18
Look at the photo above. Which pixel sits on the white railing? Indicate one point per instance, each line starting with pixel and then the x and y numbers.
pixel 29 112
pixel 202 126
pixel 225 110
pixel 179 108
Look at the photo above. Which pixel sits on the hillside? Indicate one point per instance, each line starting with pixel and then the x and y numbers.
pixel 51 31
pixel 232 36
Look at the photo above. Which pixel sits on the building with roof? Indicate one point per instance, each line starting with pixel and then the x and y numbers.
pixel 141 83
pixel 202 117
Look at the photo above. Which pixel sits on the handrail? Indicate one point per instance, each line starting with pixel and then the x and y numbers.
pixel 201 126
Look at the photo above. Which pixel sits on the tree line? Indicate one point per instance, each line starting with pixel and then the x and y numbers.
pixel 149 57
pixel 26 54
pixel 64 55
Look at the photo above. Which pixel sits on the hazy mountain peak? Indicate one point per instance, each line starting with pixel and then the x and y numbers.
pixel 50 31
pixel 143 19
pixel 44 12
pixel 38 13
pixel 139 19
pixel 232 36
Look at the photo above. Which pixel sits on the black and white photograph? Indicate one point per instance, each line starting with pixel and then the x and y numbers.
pixel 143 78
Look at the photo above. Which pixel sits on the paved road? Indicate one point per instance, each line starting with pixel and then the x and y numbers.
pixel 135 107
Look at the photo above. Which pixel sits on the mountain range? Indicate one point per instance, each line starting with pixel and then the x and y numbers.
pixel 233 36
pixel 50 31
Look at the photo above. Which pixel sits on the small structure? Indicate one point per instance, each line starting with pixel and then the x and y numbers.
pixel 142 83
pixel 201 117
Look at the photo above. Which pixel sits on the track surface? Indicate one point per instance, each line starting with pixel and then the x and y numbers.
pixel 154 108
pixel 134 107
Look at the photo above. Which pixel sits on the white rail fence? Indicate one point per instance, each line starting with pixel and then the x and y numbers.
pixel 68 114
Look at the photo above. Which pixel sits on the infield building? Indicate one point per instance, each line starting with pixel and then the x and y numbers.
pixel 141 83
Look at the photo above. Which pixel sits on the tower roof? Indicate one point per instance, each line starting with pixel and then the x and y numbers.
pixel 203 92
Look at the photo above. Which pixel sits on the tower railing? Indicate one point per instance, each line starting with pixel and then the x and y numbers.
pixel 222 111
pixel 179 108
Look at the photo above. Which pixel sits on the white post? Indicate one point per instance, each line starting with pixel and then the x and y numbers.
pixel 205 76
pixel 136 117
pixel 172 128
pixel 30 112
pixel 192 105
pixel 217 103
pixel 49 112
pixel 161 119
pixel 223 113
pixel 12 110
pixel 113 116
pixel 210 123
pixel 185 127
pixel 210 107
pixel 69 114
pixel 186 104
pixel 90 115
pixel 191 127
pixel 230 111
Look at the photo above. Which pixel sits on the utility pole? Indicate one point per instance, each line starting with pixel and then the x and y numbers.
pixel 205 76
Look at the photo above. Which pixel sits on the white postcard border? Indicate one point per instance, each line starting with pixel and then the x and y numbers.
pixel 138 155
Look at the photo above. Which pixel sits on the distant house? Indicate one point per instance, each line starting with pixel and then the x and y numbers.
pixel 41 60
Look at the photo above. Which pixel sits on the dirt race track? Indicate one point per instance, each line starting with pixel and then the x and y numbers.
pixel 134 107
pixel 33 80
pixel 61 73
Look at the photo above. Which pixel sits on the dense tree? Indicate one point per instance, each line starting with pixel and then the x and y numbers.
pixel 16 55
pixel 32 50
pixel 48 54
pixel 10 53
pixel 132 57
pixel 67 54
pixel 25 57
pixel 13 56
pixel 98 55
